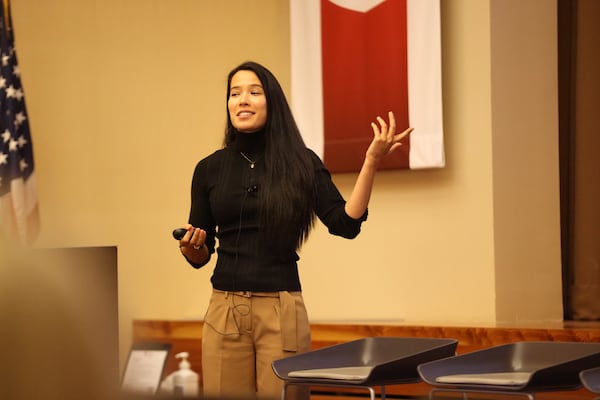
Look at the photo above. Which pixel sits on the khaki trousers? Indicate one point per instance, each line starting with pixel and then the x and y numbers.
pixel 243 333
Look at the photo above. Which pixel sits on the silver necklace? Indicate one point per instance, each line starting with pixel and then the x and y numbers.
pixel 248 159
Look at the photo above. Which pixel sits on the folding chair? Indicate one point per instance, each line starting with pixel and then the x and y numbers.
pixel 363 363
pixel 519 369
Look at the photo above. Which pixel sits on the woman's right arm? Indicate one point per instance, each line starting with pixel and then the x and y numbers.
pixel 198 243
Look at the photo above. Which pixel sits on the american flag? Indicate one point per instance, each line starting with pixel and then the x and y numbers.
pixel 19 220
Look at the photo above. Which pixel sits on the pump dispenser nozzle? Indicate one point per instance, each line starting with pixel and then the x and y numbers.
pixel 184 364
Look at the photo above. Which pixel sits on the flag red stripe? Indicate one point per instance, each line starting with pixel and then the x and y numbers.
pixel 364 64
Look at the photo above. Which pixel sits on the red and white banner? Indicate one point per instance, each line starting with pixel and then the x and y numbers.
pixel 353 60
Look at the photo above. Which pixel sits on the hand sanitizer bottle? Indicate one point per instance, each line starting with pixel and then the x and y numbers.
pixel 185 381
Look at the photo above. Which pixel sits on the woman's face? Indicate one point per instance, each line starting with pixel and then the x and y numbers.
pixel 247 102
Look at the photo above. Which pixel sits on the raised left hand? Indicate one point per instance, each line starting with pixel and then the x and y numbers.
pixel 385 139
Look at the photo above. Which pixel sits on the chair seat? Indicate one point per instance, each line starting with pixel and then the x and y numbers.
pixel 490 378
pixel 537 366
pixel 342 373
pixel 591 379
pixel 367 362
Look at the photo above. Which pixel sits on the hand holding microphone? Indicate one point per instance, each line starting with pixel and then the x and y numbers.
pixel 179 233
pixel 190 237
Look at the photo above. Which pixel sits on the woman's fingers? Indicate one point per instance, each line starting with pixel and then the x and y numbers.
pixel 385 139
pixel 402 135
pixel 384 130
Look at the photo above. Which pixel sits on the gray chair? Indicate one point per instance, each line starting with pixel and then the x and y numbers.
pixel 363 363
pixel 521 368
pixel 591 379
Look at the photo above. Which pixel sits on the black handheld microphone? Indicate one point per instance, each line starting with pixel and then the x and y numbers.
pixel 179 233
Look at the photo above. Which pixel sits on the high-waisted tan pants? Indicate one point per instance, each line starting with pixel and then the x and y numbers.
pixel 243 333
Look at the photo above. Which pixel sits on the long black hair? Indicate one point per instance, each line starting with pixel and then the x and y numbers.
pixel 287 192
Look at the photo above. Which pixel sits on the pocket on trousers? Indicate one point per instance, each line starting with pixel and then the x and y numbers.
pixel 218 316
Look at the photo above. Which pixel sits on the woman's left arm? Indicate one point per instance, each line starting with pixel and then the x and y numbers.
pixel 385 141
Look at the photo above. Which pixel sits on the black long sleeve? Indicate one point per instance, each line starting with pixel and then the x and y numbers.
pixel 225 204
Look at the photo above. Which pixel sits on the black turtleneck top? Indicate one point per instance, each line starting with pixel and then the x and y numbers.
pixel 225 205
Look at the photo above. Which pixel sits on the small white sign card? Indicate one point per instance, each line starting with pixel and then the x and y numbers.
pixel 144 367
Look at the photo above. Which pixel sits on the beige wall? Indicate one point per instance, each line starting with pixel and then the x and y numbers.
pixel 525 159
pixel 125 96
